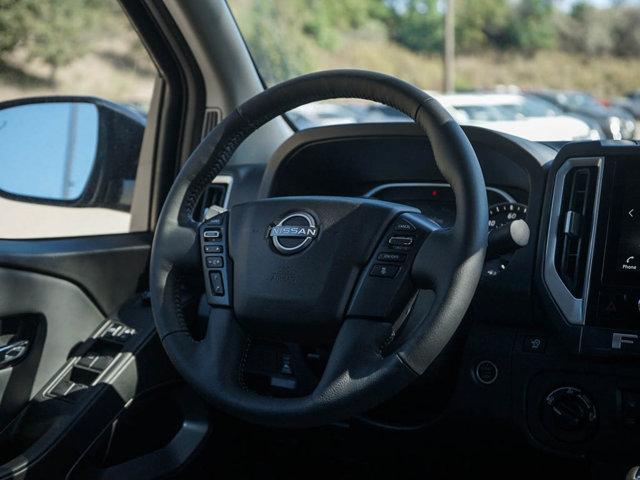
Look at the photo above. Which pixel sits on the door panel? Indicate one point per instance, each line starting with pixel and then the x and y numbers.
pixel 54 294
pixel 108 268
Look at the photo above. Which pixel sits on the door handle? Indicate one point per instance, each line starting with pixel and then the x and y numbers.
pixel 13 353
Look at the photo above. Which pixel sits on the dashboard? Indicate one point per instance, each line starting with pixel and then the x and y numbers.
pixel 394 162
pixel 551 342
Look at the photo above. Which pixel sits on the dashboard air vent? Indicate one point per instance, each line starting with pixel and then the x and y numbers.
pixel 574 229
pixel 211 119
pixel 213 195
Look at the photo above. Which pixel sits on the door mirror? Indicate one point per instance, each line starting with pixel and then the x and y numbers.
pixel 74 151
pixel 49 149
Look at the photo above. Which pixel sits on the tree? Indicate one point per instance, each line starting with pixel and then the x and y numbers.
pixel 482 24
pixel 60 31
pixel 15 16
pixel 53 31
pixel 416 24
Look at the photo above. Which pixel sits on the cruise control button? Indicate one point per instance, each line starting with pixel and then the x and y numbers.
pixel 386 271
pixel 401 241
pixel 213 249
pixel 214 262
pixel 217 285
pixel 404 226
pixel 392 257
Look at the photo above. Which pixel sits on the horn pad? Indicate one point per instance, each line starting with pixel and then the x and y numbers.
pixel 296 261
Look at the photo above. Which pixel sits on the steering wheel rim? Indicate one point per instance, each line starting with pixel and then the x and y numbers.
pixel 361 372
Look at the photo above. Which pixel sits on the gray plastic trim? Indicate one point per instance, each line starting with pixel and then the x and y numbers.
pixel 573 308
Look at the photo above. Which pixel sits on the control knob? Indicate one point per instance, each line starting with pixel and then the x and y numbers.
pixel 569 414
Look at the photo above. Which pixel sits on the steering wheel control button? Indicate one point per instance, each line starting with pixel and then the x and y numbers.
pixel 214 262
pixel 213 249
pixel 212 234
pixel 217 284
pixel 392 257
pixel 384 271
pixel 404 226
pixel 293 233
pixel 400 241
pixel 486 372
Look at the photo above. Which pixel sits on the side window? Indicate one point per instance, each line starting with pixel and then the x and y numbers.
pixel 75 88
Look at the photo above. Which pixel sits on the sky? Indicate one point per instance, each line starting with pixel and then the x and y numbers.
pixel 598 3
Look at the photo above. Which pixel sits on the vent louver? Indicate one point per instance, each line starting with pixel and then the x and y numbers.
pixel 214 194
pixel 211 119
pixel 574 229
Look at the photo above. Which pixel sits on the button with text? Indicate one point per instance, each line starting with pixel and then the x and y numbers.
pixel 403 226
pixel 392 257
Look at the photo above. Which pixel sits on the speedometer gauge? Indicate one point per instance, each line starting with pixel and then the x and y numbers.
pixel 504 213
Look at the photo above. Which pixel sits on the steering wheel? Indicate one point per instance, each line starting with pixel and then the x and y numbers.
pixel 317 268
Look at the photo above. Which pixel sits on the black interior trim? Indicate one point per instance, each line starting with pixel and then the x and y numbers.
pixel 109 269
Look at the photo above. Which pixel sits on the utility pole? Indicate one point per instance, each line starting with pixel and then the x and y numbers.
pixel 449 47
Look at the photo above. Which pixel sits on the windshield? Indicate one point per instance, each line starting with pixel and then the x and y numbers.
pixel 565 69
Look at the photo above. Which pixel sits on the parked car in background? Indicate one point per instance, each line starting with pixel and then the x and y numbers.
pixel 519 115
pixel 630 102
pixel 616 123
pixel 321 114
pixel 528 117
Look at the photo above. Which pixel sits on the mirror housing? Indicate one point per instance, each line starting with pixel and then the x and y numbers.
pixel 108 177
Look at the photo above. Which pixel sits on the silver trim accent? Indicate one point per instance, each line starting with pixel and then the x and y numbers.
pixel 228 181
pixel 13 352
pixel 573 308
pixel 386 186
pixel 306 240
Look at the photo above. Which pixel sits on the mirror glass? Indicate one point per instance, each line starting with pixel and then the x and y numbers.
pixel 47 150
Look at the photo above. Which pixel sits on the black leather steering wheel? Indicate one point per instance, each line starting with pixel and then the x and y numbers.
pixel 307 269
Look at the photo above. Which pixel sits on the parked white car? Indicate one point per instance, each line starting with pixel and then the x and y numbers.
pixel 517 115
pixel 321 114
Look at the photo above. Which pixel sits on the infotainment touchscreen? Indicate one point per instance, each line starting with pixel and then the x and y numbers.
pixel 622 253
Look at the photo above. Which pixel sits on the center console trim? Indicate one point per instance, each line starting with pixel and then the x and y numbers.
pixel 574 309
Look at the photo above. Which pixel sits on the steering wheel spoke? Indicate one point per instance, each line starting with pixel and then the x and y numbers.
pixel 357 373
pixel 386 282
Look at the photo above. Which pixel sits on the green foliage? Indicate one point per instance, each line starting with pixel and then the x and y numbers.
pixel 288 36
pixel 53 31
pixel 532 27
pixel 416 24
pixel 15 19
pixel 281 32
pixel 482 24
pixel 278 47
